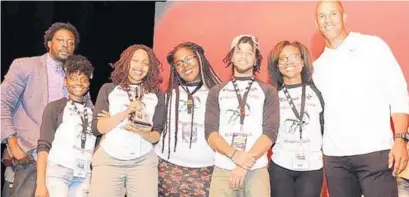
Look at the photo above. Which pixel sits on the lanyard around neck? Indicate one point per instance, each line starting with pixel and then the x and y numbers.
pixel 85 123
pixel 298 115
pixel 242 101
pixel 190 100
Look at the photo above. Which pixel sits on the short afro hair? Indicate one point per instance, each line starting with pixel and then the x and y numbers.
pixel 78 64
pixel 49 34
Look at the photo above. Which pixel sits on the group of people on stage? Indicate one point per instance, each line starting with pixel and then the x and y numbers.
pixel 204 136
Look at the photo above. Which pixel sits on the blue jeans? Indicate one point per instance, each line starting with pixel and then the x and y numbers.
pixel 24 183
pixel 403 187
pixel 25 177
pixel 6 189
pixel 61 182
pixel 8 181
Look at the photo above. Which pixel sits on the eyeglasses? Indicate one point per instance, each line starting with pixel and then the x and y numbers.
pixel 292 57
pixel 188 59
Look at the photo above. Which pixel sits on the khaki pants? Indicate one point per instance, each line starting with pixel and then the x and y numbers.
pixel 256 184
pixel 110 176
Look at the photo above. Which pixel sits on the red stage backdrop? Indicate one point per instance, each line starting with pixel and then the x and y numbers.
pixel 214 24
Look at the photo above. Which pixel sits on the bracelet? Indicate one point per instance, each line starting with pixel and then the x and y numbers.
pixel 231 157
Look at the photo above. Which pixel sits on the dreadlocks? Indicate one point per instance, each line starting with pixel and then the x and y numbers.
pixel 208 78
pixel 245 39
pixel 121 69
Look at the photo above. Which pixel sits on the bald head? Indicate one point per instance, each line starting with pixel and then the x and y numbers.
pixel 330 20
pixel 333 5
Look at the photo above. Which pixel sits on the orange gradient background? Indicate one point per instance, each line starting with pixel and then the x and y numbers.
pixel 214 24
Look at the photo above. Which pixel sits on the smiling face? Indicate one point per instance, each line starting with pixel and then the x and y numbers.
pixel 77 85
pixel 244 57
pixel 139 66
pixel 187 65
pixel 330 19
pixel 290 64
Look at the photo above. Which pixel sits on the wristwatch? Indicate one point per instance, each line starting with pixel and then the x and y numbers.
pixel 403 136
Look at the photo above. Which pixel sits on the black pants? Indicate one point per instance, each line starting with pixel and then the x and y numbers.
pixel 288 183
pixel 366 174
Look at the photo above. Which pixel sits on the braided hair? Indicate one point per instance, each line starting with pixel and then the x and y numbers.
pixel 208 77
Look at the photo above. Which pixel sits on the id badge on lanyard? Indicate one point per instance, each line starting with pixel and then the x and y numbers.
pixel 300 161
pixel 81 160
pixel 239 140
pixel 298 115
pixel 81 165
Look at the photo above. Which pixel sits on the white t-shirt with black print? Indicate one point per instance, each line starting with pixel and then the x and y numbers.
pixel 199 154
pixel 61 130
pixel 289 147
pixel 118 142
pixel 261 117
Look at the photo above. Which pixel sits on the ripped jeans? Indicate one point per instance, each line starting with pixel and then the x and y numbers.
pixel 61 182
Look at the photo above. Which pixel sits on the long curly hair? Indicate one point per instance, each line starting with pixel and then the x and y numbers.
pixel 151 81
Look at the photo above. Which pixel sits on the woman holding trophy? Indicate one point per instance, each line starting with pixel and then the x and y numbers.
pixel 133 106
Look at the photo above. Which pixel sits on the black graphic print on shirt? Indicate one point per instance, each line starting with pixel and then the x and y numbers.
pixel 234 114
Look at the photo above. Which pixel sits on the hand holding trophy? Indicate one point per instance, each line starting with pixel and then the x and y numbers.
pixel 137 115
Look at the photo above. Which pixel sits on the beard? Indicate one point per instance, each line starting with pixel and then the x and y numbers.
pixel 60 57
pixel 243 70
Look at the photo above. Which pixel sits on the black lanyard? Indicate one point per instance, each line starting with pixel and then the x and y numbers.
pixel 300 115
pixel 242 101
pixel 85 123
pixel 190 101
